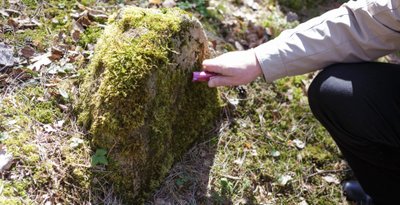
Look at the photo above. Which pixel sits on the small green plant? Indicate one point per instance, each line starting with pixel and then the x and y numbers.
pixel 100 157
pixel 226 186
pixel 181 180
pixel 196 5
pixel 90 36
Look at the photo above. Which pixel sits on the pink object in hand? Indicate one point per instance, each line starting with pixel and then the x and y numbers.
pixel 202 76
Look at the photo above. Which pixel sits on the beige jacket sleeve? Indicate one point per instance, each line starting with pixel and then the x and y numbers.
pixel 357 31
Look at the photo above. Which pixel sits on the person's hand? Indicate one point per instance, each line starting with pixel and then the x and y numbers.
pixel 233 68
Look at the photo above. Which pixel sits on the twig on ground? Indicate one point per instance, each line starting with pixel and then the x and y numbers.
pixel 327 172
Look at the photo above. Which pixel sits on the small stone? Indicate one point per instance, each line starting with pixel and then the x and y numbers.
pixel 275 153
pixel 284 179
pixel 233 101
pixel 5 160
pixel 4 13
pixel 6 55
pixel 49 128
pixel 291 16
pixel 299 144
pixel 55 21
pixel 303 203
pixel 75 142
pixel 169 3
pixel 238 46
pixel 331 179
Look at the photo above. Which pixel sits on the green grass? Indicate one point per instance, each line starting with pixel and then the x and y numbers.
pixel 43 161
pixel 263 124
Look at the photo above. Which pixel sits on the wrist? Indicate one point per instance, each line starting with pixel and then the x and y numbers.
pixel 256 63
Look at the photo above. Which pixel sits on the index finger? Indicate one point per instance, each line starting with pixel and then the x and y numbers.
pixel 212 65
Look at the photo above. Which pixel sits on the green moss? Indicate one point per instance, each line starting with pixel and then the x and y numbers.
pixel 15 192
pixel 37 36
pixel 36 161
pixel 19 146
pixel 12 201
pixel 44 111
pixel 140 103
pixel 317 155
pixel 30 3
pixel 88 2
pixel 90 36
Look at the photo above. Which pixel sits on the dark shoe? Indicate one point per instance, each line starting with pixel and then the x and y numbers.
pixel 354 192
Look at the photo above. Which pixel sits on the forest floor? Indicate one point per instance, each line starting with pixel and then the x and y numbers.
pixel 268 150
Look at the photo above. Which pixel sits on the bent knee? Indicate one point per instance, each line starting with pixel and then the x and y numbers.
pixel 331 89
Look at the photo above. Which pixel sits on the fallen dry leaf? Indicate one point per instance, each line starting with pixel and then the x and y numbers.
pixel 56 54
pixel 40 61
pixel 27 51
pixel 247 145
pixel 27 23
pixel 3 76
pixel 76 35
pixel 331 179
pixel 63 107
pixel 84 19
pixel 20 74
pixel 3 79
pixel 95 15
pixel 76 31
pixel 13 23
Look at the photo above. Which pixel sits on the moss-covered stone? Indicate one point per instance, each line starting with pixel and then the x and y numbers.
pixel 138 101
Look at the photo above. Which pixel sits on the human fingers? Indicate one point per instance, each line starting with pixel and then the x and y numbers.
pixel 212 65
pixel 216 81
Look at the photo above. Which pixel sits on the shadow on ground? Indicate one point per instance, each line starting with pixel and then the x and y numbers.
pixel 188 181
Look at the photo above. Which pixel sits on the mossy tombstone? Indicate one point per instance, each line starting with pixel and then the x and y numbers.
pixel 138 101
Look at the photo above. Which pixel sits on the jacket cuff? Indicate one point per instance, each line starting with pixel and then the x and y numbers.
pixel 269 57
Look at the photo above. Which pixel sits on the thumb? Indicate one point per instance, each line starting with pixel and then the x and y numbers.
pixel 216 81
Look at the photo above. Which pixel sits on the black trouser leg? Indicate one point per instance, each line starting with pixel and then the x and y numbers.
pixel 359 104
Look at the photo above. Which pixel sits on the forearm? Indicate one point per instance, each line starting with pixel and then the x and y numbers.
pixel 357 31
